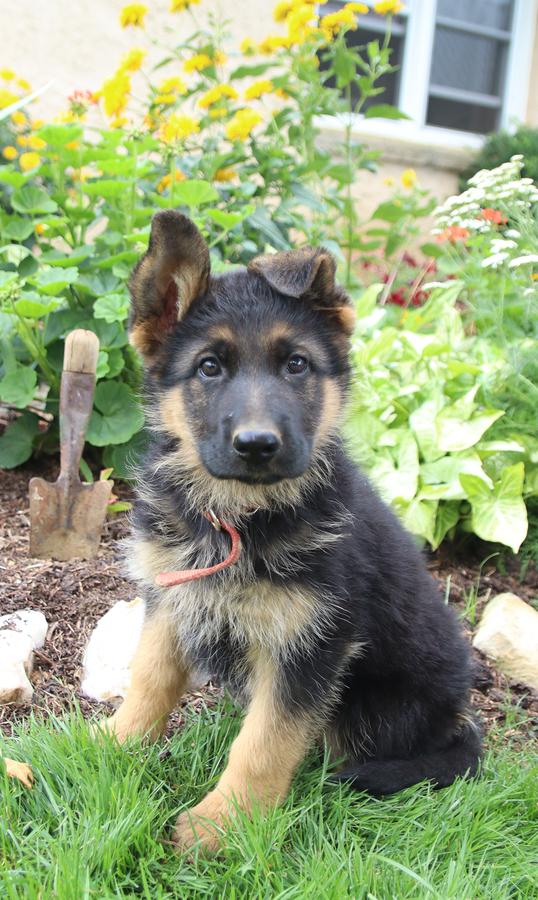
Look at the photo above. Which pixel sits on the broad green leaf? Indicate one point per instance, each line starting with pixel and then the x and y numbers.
pixel 389 211
pixel 397 479
pixel 447 516
pixel 15 253
pixel 419 518
pixel 17 441
pixel 250 71
pixel 125 458
pixel 422 421
pixel 57 258
pixel 261 221
pixel 34 309
pixel 194 193
pixel 52 281
pixel 499 514
pixel 116 417
pixel 10 175
pixel 18 229
pixel 59 135
pixel 106 188
pixel 18 386
pixel 30 199
pixel 228 220
pixel 111 307
pixel 366 303
pixel 384 111
pixel 455 433
pixel 445 474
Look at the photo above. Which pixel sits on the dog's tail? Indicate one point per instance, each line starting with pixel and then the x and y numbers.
pixel 388 776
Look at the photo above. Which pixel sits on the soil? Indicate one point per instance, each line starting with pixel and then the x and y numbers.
pixel 74 595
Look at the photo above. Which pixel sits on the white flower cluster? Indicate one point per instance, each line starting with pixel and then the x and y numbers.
pixel 490 188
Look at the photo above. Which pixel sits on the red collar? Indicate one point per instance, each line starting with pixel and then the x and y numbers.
pixel 170 579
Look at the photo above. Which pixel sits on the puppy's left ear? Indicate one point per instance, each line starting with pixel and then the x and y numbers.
pixel 170 276
pixel 308 275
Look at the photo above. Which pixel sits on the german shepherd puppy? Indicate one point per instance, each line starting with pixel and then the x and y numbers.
pixel 327 624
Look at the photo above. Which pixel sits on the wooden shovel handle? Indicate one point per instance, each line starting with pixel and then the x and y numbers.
pixel 76 399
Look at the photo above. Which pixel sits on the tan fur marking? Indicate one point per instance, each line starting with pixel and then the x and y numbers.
pixel 174 418
pixel 331 411
pixel 221 333
pixel 159 678
pixel 261 764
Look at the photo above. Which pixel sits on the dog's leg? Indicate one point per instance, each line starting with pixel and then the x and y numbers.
pixel 261 764
pixel 159 678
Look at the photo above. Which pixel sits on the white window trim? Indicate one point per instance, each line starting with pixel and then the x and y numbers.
pixel 414 81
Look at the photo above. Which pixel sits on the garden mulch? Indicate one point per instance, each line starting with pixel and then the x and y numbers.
pixel 74 595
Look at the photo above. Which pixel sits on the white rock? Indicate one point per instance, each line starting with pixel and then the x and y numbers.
pixel 110 650
pixel 16 661
pixel 27 621
pixel 508 633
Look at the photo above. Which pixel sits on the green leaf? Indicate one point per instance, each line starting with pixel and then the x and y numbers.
pixel 59 135
pixel 367 301
pixel 250 71
pixel 389 211
pixel 445 474
pixel 34 309
pixel 499 514
pixel 125 458
pixel 456 433
pixel 17 441
pixel 18 386
pixel 422 421
pixel 107 188
pixel 419 517
pixel 53 281
pixel 447 516
pixel 195 193
pixel 117 415
pixel 384 111
pixel 228 220
pixel 111 308
pixel 262 222
pixel 30 199
pixel 15 253
pixel 398 479
pixel 18 229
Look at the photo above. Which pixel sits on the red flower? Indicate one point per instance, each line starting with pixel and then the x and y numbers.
pixel 453 233
pixel 494 216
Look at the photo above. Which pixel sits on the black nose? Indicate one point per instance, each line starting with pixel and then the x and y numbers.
pixel 256 446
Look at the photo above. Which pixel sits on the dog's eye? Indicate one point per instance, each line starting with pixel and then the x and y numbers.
pixel 297 364
pixel 210 367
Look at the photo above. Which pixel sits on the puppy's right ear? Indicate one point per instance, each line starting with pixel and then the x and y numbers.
pixel 170 276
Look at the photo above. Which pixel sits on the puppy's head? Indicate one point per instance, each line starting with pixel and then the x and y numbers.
pixel 248 369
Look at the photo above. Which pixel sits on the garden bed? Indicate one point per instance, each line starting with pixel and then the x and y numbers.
pixel 74 595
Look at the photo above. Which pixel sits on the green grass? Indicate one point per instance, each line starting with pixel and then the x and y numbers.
pixel 95 822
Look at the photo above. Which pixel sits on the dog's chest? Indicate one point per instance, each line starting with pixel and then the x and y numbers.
pixel 253 611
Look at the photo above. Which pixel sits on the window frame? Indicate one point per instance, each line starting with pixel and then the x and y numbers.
pixel 415 80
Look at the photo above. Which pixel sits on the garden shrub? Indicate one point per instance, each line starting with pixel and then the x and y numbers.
pixel 501 147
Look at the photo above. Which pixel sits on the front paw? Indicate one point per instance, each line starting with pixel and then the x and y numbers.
pixel 203 825
pixel 122 727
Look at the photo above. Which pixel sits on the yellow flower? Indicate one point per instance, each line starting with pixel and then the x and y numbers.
pixel 6 98
pixel 22 140
pixel 180 5
pixel 301 22
pixel 388 7
pixel 22 83
pixel 178 127
pixel 10 152
pixel 258 89
pixel 247 47
pixel 409 178
pixel 118 121
pixel 72 145
pixel 7 74
pixel 274 42
pixel 226 174
pixel 214 94
pixel 35 143
pixel 282 10
pixel 333 23
pixel 240 126
pixel 389 181
pixel 197 63
pixel 29 161
pixel 132 61
pixel 116 92
pixel 166 180
pixel 357 7
pixel 40 228
pixel 172 84
pixel 133 14
pixel 218 112
pixel 37 123
pixel 18 117
pixel 219 58
pixel 164 99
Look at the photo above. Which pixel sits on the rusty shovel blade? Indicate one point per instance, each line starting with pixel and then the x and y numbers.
pixel 67 524
pixel 66 517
